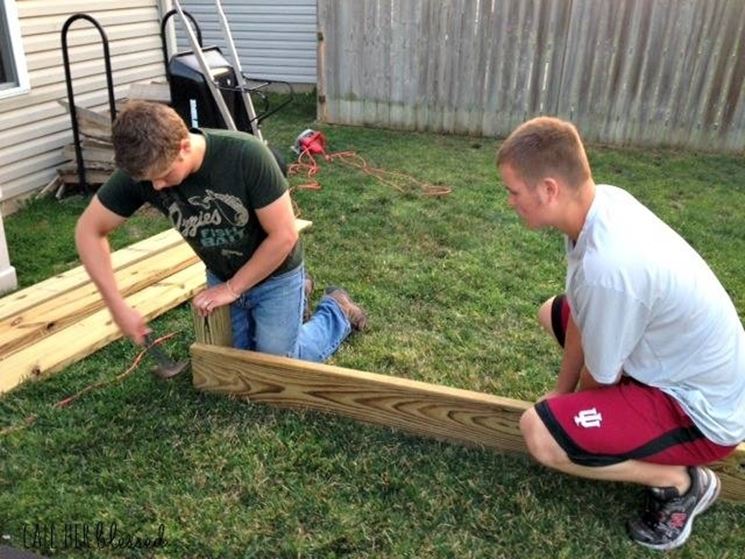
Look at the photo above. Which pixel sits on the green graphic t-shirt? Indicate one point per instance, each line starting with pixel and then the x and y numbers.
pixel 214 208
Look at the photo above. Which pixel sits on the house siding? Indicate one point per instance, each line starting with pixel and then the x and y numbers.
pixel 34 126
pixel 275 40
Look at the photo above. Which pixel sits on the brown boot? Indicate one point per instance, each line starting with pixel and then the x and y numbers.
pixel 356 316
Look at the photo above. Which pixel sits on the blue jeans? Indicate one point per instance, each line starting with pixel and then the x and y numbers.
pixel 269 318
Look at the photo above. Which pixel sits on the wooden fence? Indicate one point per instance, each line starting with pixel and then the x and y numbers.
pixel 639 72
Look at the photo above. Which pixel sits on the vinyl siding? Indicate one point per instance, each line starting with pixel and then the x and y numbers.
pixel 33 126
pixel 275 40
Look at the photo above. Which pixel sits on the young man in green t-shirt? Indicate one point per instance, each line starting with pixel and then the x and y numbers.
pixel 225 194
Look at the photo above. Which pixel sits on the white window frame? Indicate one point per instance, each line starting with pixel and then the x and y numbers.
pixel 16 47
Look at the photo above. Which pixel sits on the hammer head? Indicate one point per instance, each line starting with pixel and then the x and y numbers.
pixel 171 370
pixel 165 367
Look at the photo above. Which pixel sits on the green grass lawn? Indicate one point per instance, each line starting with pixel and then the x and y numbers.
pixel 451 285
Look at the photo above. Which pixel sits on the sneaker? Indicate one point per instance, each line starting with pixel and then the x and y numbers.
pixel 356 316
pixel 666 523
pixel 307 292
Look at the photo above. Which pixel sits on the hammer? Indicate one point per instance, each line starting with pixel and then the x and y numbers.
pixel 165 367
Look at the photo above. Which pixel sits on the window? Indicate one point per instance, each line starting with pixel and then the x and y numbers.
pixel 13 76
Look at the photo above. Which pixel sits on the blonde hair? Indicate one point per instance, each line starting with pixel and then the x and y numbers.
pixel 147 138
pixel 543 147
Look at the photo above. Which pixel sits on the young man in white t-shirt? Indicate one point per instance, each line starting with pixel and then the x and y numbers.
pixel 652 381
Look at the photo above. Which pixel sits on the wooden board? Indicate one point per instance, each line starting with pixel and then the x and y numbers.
pixel 82 338
pixel 90 154
pixel 55 286
pixel 158 92
pixel 94 168
pixel 97 144
pixel 91 123
pixel 420 408
pixel 214 329
pixel 417 407
pixel 68 176
pixel 63 319
pixel 29 327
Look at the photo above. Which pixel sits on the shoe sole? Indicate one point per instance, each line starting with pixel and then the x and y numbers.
pixel 706 501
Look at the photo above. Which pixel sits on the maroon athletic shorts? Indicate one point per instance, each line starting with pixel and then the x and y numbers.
pixel 625 421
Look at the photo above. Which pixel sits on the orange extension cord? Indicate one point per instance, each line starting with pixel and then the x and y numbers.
pixel 307 165
pixel 31 419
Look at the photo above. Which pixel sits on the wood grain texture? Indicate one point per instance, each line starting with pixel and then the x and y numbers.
pixel 214 329
pixel 625 72
pixel 159 92
pixel 444 413
pixel 416 407
pixel 57 285
pixel 731 471
pixel 96 155
pixel 28 327
pixel 82 338
pixel 58 321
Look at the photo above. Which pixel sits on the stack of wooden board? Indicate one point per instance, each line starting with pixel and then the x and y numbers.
pixel 54 323
pixel 98 152
pixel 95 138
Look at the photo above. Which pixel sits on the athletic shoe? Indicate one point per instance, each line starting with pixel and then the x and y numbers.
pixel 667 521
pixel 356 316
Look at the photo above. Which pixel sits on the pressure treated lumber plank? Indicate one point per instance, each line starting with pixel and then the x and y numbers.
pixel 59 284
pixel 158 92
pixel 90 154
pixel 731 471
pixel 32 325
pixel 91 123
pixel 69 175
pixel 420 408
pixel 214 329
pixel 80 339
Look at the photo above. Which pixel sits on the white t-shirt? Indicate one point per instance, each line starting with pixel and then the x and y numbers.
pixel 648 305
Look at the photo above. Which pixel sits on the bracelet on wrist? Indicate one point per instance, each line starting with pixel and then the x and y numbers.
pixel 230 289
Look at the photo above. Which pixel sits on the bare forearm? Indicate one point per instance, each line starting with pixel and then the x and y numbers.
pixel 278 221
pixel 267 258
pixel 95 255
pixel 93 247
pixel 572 362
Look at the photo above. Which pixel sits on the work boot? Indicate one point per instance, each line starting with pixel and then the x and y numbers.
pixel 356 316
pixel 307 292
pixel 666 523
